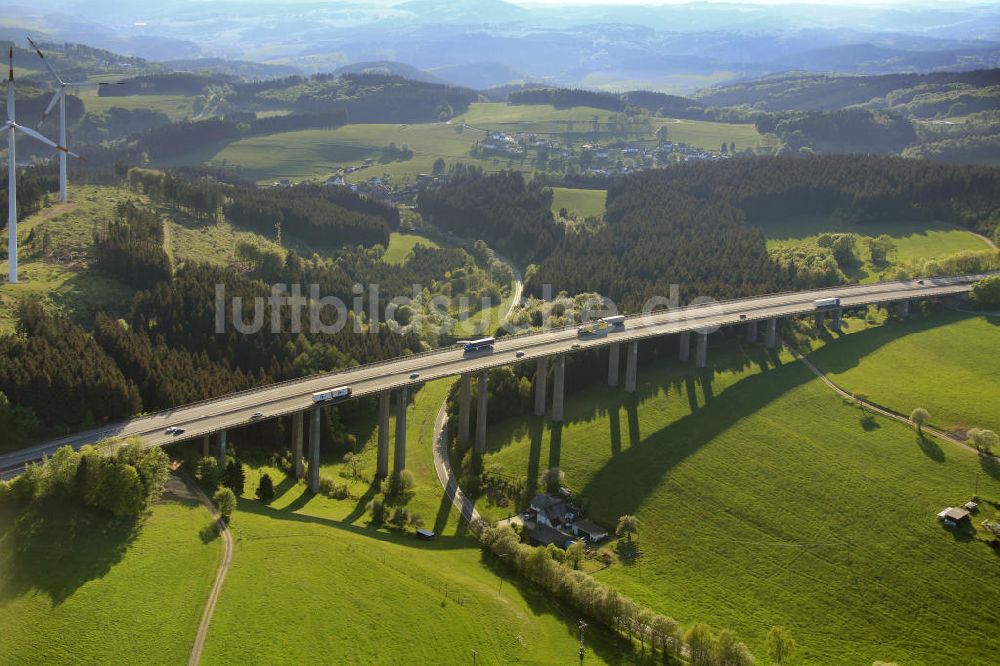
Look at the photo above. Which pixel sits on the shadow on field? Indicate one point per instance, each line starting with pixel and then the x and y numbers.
pixel 930 448
pixel 599 640
pixel 35 550
pixel 990 466
pixel 400 538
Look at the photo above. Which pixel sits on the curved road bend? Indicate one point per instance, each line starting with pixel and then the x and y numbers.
pixel 296 395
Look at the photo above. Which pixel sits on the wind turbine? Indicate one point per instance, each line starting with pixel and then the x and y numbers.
pixel 12 128
pixel 60 96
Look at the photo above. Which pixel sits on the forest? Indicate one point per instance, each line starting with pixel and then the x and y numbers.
pixel 511 215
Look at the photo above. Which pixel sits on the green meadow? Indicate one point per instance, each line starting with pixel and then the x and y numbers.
pixel 303 560
pixel 765 499
pixel 585 203
pixel 915 240
pixel 401 247
pixel 945 363
pixel 80 587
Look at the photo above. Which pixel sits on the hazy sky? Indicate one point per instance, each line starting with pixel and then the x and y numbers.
pixel 860 3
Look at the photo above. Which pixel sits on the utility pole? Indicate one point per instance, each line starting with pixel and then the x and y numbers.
pixel 582 625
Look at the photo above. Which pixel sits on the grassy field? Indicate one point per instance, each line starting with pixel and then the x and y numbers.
pixel 311 580
pixel 945 363
pixel 176 107
pixel 585 203
pixel 764 499
pixel 307 154
pixel 914 239
pixel 63 279
pixel 77 587
pixel 401 245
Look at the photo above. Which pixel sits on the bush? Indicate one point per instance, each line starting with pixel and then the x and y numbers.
pixel 377 510
pixel 207 470
pixel 225 502
pixel 122 492
pixel 398 484
pixel 986 292
pixel 400 517
pixel 234 478
pixel 326 485
pixel 265 489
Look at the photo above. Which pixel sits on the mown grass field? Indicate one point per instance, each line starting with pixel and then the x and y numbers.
pixel 75 587
pixel 585 203
pixel 312 581
pixel 915 240
pixel 401 246
pixel 764 499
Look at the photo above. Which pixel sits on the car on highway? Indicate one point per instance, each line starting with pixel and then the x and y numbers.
pixel 414 375
pixel 257 415
pixel 169 431
pixel 519 353
pixel 576 345
pixel 743 316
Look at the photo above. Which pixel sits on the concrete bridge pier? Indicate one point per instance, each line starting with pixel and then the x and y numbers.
pixel 464 406
pixel 314 423
pixel 220 453
pixel 206 446
pixel 559 389
pixel 771 333
pixel 481 401
pixel 752 332
pixel 685 350
pixel 382 457
pixel 399 454
pixel 904 308
pixel 702 353
pixel 631 366
pixel 298 426
pixel 838 320
pixel 540 385
pixel 614 354
pixel 820 319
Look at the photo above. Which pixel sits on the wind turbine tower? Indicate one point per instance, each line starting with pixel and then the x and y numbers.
pixel 12 128
pixel 60 97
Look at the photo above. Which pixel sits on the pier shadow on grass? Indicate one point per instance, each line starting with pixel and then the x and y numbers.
pixel 34 549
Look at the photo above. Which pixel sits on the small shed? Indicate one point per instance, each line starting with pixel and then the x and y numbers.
pixel 589 530
pixel 971 506
pixel 952 516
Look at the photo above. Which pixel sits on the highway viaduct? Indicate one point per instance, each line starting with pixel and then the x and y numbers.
pixel 211 419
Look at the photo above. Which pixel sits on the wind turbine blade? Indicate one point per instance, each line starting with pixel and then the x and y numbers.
pixel 10 88
pixel 45 62
pixel 48 109
pixel 44 139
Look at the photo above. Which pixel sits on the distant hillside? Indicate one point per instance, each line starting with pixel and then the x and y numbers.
pixel 388 68
pixel 239 68
pixel 822 92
